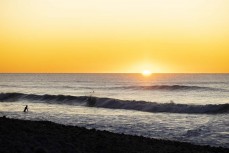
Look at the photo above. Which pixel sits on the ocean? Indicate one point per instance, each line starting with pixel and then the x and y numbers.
pixel 183 107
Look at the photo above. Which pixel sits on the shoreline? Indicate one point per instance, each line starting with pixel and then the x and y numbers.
pixel 27 136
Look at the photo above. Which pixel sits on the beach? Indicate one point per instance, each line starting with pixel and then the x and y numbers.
pixel 47 137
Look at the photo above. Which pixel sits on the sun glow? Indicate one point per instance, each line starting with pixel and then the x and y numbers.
pixel 146 73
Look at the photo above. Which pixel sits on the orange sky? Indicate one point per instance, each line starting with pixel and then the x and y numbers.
pixel 164 36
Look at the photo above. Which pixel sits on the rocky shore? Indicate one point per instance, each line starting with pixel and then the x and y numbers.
pixel 20 136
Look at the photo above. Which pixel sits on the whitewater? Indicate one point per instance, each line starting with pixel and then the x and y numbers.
pixel 184 107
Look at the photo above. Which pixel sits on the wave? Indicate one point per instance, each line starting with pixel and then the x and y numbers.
pixel 117 104
pixel 170 88
pixel 174 87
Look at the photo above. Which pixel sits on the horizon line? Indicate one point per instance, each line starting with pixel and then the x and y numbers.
pixel 112 73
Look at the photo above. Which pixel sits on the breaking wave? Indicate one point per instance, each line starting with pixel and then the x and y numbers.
pixel 117 104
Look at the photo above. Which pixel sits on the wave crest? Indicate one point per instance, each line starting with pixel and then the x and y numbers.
pixel 117 104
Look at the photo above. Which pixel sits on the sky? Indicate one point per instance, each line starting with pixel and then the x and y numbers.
pixel 114 36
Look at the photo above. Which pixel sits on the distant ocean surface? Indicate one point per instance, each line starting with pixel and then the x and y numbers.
pixel 184 107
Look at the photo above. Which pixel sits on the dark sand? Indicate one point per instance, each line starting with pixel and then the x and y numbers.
pixel 19 136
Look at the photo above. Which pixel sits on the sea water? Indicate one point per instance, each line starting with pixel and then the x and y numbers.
pixel 185 107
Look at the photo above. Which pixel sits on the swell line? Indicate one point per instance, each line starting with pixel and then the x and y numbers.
pixel 170 88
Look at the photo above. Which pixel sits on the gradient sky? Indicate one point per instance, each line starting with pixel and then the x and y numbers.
pixel 163 36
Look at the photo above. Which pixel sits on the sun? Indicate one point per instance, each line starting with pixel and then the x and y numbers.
pixel 146 73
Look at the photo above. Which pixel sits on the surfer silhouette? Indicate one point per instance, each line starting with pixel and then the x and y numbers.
pixel 26 109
